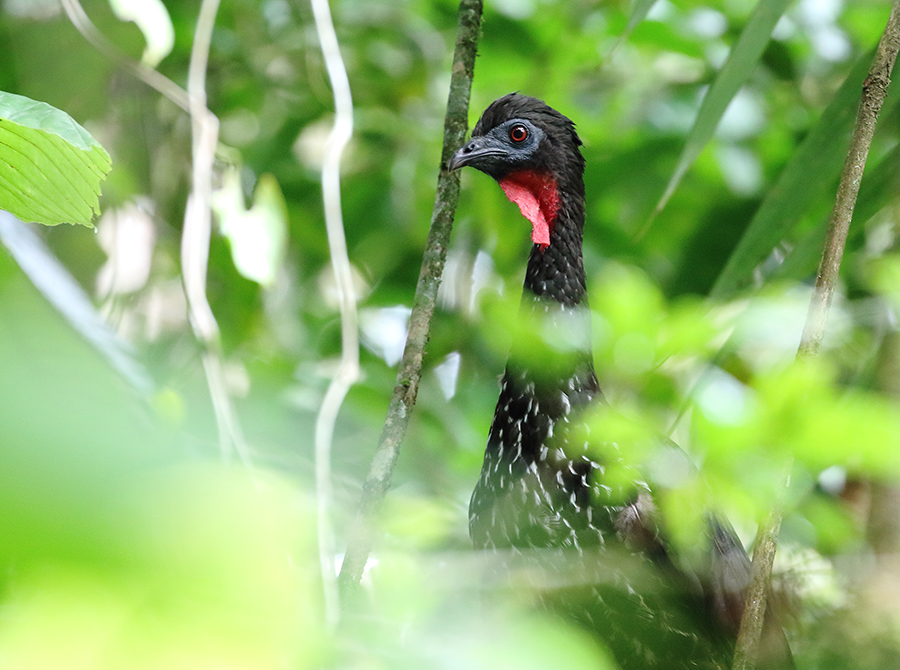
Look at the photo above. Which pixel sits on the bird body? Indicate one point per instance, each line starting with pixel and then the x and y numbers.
pixel 542 483
pixel 536 445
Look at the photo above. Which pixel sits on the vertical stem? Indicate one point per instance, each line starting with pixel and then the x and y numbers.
pixel 362 533
pixel 348 370
pixel 198 217
pixel 873 94
pixel 196 235
pixel 754 615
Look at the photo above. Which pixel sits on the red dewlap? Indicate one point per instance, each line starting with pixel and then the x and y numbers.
pixel 537 195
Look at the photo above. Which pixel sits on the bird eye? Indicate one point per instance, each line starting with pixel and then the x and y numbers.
pixel 518 133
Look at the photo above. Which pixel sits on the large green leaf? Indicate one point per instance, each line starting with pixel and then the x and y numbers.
pixel 738 67
pixel 814 165
pixel 50 167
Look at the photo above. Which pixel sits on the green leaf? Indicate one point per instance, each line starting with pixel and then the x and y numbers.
pixel 50 167
pixel 741 62
pixel 639 11
pixel 638 14
pixel 879 186
pixel 815 164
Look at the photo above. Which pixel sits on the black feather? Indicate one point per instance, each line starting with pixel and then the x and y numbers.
pixel 542 485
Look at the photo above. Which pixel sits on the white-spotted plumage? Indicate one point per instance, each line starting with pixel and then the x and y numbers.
pixel 544 482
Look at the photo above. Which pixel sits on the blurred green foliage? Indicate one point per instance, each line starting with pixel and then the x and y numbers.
pixel 128 543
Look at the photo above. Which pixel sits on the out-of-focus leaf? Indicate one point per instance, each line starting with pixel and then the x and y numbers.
pixel 128 552
pixel 798 410
pixel 57 285
pixel 687 330
pixel 152 18
pixel 884 277
pixel 628 299
pixel 638 14
pixel 813 166
pixel 423 521
pixel 878 188
pixel 632 309
pixel 740 65
pixel 50 167
pixel 686 511
pixel 638 438
pixel 258 236
pixel 832 524
pixel 532 642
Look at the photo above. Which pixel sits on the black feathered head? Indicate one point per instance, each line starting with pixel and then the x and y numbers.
pixel 533 152
pixel 516 132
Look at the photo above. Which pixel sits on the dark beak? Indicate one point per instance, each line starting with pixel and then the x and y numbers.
pixel 474 153
pixel 457 160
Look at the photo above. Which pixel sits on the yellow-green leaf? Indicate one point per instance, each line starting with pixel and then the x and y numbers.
pixel 50 167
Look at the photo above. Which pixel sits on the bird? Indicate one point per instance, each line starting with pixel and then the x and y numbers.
pixel 543 490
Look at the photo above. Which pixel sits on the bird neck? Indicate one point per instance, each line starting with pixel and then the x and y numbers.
pixel 555 271
pixel 554 303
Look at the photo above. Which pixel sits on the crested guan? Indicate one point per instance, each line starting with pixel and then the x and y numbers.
pixel 604 562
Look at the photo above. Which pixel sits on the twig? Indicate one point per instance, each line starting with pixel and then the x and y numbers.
pixel 348 370
pixel 873 94
pixel 197 217
pixel 754 615
pixel 362 532
pixel 196 234
pixel 149 76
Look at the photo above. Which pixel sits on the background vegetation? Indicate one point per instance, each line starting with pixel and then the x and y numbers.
pixel 130 540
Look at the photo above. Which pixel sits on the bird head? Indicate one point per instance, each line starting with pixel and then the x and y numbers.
pixel 533 152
